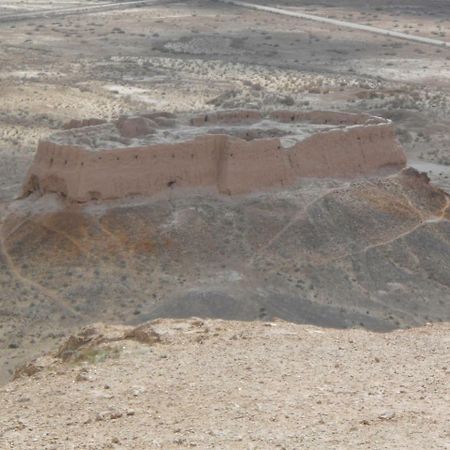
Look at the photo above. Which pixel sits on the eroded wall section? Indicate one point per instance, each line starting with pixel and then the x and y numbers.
pixel 230 165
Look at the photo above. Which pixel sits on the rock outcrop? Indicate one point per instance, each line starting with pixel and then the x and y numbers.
pixel 232 152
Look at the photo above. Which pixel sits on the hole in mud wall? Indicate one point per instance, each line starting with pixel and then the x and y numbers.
pixel 51 162
pixel 206 118
pixel 171 184
pixel 94 195
pixel 33 185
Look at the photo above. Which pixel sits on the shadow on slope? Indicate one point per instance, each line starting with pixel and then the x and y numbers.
pixel 372 254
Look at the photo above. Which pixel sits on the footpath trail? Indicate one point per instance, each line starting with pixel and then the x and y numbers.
pixel 340 23
pixel 15 272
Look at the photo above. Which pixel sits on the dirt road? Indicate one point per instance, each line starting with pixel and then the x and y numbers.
pixel 72 10
pixel 341 23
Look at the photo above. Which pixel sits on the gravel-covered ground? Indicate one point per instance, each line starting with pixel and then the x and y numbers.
pixel 236 385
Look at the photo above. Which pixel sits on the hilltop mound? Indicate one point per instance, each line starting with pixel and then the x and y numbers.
pixel 87 243
pixel 373 253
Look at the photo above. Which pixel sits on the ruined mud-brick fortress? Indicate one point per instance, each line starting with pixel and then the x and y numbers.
pixel 232 152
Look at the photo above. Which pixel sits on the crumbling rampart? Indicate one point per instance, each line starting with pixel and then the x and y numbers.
pixel 231 152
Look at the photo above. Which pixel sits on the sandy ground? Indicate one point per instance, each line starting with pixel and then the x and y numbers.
pixel 321 387
pixel 214 384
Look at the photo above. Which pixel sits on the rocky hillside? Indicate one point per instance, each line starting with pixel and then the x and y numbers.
pixel 373 253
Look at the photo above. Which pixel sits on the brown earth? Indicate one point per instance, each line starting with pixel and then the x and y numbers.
pixel 370 254
pixel 218 384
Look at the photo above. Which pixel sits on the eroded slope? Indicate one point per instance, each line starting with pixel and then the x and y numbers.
pixel 372 253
